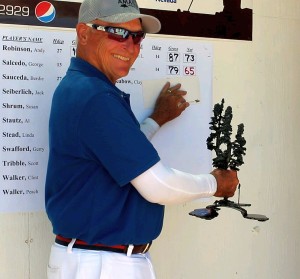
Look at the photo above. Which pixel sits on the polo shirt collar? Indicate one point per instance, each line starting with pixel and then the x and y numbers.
pixel 78 64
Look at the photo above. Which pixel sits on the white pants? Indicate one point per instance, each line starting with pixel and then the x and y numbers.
pixel 88 264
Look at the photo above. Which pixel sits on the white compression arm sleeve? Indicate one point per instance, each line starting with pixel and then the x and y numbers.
pixel 164 185
pixel 149 127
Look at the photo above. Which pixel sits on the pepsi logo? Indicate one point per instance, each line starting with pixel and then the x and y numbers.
pixel 45 12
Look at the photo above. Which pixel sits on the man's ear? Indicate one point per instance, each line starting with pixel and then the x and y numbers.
pixel 82 33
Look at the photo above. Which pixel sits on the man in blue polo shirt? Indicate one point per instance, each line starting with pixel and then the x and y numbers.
pixel 106 187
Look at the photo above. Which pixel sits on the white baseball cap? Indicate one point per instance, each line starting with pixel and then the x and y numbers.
pixel 116 11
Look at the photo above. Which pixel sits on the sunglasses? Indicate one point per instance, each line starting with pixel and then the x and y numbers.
pixel 119 34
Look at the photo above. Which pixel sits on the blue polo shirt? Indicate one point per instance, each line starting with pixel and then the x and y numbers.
pixel 96 149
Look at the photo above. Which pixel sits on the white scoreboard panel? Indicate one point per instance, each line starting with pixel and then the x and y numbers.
pixel 34 60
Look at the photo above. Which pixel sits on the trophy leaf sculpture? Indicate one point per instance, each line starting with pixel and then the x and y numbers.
pixel 229 155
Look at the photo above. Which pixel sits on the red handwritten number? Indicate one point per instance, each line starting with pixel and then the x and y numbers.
pixel 189 71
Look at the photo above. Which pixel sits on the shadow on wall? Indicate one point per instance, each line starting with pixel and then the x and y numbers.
pixel 231 23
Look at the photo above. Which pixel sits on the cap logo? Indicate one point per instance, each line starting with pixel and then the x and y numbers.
pixel 128 3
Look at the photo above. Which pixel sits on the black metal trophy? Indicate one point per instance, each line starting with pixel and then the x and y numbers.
pixel 228 155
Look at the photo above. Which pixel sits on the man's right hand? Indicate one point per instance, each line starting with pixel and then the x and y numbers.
pixel 227 182
pixel 169 104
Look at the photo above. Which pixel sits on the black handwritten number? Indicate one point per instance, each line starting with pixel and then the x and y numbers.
pixel 189 57
pixel 173 70
pixel 59 50
pixel 73 51
pixel 173 57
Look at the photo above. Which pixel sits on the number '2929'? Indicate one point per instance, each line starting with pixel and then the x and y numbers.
pixel 10 10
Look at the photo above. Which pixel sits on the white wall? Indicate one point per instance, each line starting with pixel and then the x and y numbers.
pixel 260 80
